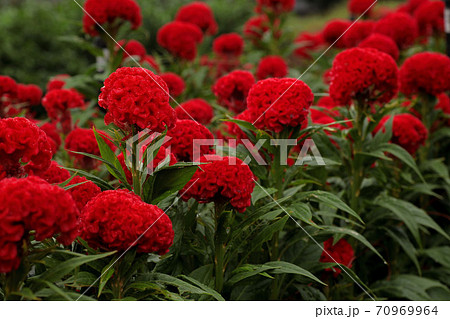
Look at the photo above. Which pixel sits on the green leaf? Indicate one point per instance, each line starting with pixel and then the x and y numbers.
pixel 283 267
pixel 402 239
pixel 97 180
pixel 260 192
pixel 210 291
pixel 303 212
pixel 402 155
pixel 441 255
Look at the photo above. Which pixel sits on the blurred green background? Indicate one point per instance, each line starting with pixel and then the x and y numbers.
pixel 32 31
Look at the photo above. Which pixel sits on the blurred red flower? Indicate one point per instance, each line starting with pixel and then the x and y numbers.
pixel 230 45
pixel 342 253
pixel 174 82
pixel 400 27
pixel 200 14
pixel 271 66
pixel 381 43
pixel 180 39
pixel 198 109
pixel 232 89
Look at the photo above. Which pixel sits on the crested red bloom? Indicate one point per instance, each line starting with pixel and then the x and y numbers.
pixel 29 94
pixel 275 6
pixel 131 48
pixel 8 92
pixel 160 157
pixel 358 7
pixel 328 103
pixel 136 96
pixel 430 17
pixel 197 109
pixel 109 11
pixel 308 42
pixel 174 82
pixel 272 66
pixel 426 72
pixel 23 145
pixel 400 27
pixel 279 103
pixel 363 73
pixel 180 39
pixel 230 45
pixel 83 140
pixel 412 5
pixel 407 131
pixel 221 180
pixel 31 204
pixel 341 253
pixel 200 14
pixel 84 192
pixel 57 82
pixel 444 105
pixel 255 27
pixel 334 31
pixel 55 174
pixel 182 140
pixel 358 32
pixel 118 219
pixel 381 43
pixel 150 60
pixel 232 89
pixel 53 136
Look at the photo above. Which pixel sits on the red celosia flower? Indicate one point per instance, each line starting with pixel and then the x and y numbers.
pixel 8 92
pixel 55 174
pixel 131 48
pixel 53 136
pixel 83 193
pixel 328 103
pixel 83 140
pixel 430 17
pixel 358 32
pixel 32 204
pixel 22 145
pixel 425 72
pixel 136 96
pixel 274 6
pixel 232 89
pixel 381 43
pixel 341 253
pixel 444 105
pixel 412 5
pixel 407 131
pixel 180 39
pixel 197 109
pixel 107 11
pixel 223 179
pixel 57 82
pixel 255 27
pixel 334 31
pixel 279 103
pixel 363 74
pixel 116 219
pixel 230 45
pixel 182 140
pixel 58 103
pixel 174 82
pixel 160 157
pixel 400 27
pixel 271 67
pixel 358 7
pixel 200 14
pixel 151 62
pixel 308 42
pixel 29 94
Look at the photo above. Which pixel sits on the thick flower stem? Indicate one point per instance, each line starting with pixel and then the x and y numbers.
pixel 357 167
pixel 134 169
pixel 220 246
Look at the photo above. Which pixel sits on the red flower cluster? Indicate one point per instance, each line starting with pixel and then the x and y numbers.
pixel 55 174
pixel 136 96
pixel 358 32
pixel 83 140
pixel 381 43
pixel 31 204
pixel 116 219
pixel 182 140
pixel 198 109
pixel 58 103
pixel 334 31
pixel 107 11
pixel 180 39
pixel 174 82
pixel 53 136
pixel 400 27
pixel 358 7
pixel 444 105
pixel 230 45
pixel 407 131
pixel 363 73
pixel 223 179
pixel 151 62
pixel 200 14
pixel 132 48
pixel 341 252
pixel 308 42
pixel 425 72
pixel 29 94
pixel 57 82
pixel 232 89
pixel 255 28
pixel 278 103
pixel 271 67
pixel 8 92
pixel 412 5
pixel 430 17
pixel 21 141
pixel 83 193
pixel 275 6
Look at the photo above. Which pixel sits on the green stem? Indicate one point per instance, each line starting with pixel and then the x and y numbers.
pixel 134 169
pixel 220 246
